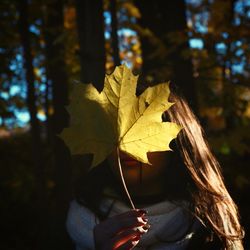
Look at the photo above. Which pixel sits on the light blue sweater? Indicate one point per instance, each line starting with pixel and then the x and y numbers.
pixel 172 226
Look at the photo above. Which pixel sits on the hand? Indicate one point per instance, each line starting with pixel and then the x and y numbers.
pixel 122 231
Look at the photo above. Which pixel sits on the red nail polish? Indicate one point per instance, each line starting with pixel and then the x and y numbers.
pixel 137 237
pixel 146 227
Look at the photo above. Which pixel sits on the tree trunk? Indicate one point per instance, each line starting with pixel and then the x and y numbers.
pixel 48 91
pixel 114 35
pixel 167 20
pixel 229 95
pixel 57 75
pixel 39 174
pixel 90 23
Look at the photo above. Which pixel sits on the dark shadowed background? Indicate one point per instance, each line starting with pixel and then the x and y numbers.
pixel 203 46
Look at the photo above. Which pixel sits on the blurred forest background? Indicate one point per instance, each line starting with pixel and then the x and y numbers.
pixel 203 46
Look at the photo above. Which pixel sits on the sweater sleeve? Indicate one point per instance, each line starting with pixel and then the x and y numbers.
pixel 80 224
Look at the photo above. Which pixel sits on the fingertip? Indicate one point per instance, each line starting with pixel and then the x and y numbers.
pixel 141 212
pixel 134 242
pixel 136 239
pixel 141 221
pixel 142 229
pixel 147 226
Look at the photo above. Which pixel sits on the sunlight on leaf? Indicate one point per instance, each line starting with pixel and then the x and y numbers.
pixel 116 117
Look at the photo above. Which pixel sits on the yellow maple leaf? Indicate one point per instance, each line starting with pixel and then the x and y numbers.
pixel 117 118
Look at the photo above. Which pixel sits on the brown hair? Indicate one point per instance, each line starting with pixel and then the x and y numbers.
pixel 195 175
pixel 214 206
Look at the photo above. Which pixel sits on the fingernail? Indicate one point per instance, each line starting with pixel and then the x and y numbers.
pixel 140 219
pixel 145 227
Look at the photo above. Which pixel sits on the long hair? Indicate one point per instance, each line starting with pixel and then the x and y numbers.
pixel 213 205
pixel 196 174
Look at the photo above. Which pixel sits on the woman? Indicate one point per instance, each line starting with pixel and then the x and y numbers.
pixel 181 199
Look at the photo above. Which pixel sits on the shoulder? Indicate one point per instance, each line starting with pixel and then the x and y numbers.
pixel 80 224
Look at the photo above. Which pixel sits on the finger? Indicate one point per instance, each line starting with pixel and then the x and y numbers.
pixel 116 243
pixel 132 213
pixel 124 237
pixel 143 229
pixel 125 223
pixel 115 224
pixel 129 244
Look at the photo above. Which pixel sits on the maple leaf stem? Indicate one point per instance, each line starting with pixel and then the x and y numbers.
pixel 123 181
